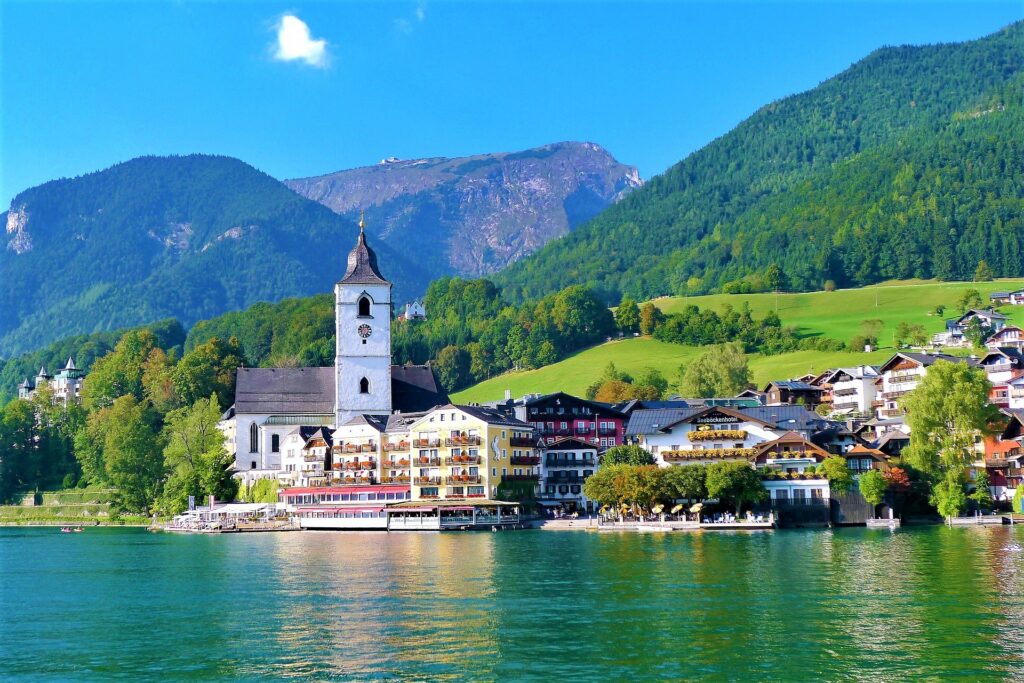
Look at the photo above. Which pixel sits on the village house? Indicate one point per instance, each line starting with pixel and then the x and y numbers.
pixel 956 328
pixel 900 375
pixel 1010 336
pixel 793 392
pixel 565 466
pixel 1002 366
pixel 1014 298
pixel 853 389
pixel 560 415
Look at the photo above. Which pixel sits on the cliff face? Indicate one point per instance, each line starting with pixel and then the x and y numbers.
pixel 475 215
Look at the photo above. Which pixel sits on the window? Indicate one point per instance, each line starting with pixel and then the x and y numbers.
pixel 364 307
pixel 364 386
pixel 275 443
pixel 253 465
pixel 254 439
pixel 494 471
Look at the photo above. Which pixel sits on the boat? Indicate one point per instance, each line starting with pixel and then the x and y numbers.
pixel 66 530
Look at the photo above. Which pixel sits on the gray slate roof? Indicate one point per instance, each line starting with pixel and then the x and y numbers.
pixel 310 391
pixel 285 390
pixel 362 264
pixel 786 417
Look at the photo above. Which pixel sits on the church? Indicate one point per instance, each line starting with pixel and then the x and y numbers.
pixel 271 403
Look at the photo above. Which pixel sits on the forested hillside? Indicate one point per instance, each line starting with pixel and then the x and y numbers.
pixel 156 237
pixel 908 164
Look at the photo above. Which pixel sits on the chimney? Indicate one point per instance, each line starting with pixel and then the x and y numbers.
pixel 508 394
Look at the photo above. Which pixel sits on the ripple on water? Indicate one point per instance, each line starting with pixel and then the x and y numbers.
pixel 855 604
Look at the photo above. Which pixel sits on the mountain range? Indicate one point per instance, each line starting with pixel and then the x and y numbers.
pixel 190 237
pixel 479 213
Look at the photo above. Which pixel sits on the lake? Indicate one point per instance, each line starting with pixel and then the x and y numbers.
pixel 859 604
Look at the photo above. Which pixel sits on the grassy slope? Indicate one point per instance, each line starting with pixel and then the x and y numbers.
pixel 832 314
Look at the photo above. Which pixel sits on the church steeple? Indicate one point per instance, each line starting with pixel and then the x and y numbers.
pixel 362 262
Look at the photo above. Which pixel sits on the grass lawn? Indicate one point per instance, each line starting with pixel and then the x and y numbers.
pixel 839 314
pixel 832 314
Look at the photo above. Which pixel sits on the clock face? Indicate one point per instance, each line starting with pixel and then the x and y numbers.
pixel 365 331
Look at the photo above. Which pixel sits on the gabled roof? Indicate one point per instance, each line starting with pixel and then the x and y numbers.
pixel 792 385
pixel 786 417
pixel 864 450
pixel 923 359
pixel 304 432
pixel 285 390
pixel 790 438
pixel 1011 353
pixel 491 416
pixel 1004 331
pixel 322 433
pixel 999 295
pixel 984 313
pixel 415 388
pixel 377 422
pixel 362 264
pixel 569 399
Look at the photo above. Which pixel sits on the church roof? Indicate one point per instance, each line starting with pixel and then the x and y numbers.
pixel 362 264
pixel 310 391
pixel 285 390
pixel 414 388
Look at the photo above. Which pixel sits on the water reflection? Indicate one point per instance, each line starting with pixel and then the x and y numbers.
pixel 933 603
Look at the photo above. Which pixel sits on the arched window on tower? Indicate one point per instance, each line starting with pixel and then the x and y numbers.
pixel 364 307
pixel 364 386
pixel 254 438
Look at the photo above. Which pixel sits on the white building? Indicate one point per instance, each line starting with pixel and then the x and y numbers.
pixel 65 386
pixel 1008 337
pixel 901 374
pixel 564 466
pixel 956 328
pixel 853 389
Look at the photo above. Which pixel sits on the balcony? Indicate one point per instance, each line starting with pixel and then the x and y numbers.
pixel 469 440
pixel 520 477
pixel 528 442
pixel 426 461
pixel 400 479
pixel 396 446
pixel 893 395
pixel 564 462
pixel 607 431
pixel 462 460
pixel 708 454
pixel 312 457
pixel 718 435
pixel 356 481
pixel 457 479
pixel 426 443
pixel 546 432
pixel 396 464
pixel 351 448
pixel 525 459
pixel 427 481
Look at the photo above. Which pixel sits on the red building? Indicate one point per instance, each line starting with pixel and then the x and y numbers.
pixel 560 416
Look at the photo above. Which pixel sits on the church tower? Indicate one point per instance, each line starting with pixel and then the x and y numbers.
pixel 362 318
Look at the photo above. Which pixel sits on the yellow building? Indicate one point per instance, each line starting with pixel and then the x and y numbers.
pixel 469 452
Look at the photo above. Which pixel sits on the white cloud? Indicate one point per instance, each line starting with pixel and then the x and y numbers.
pixel 405 25
pixel 295 43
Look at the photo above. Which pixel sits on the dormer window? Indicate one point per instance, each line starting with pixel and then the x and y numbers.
pixel 364 307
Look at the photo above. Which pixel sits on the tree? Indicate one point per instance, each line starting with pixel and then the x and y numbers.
pixel 873 486
pixel 902 334
pixel 982 273
pixel 982 494
pixel 948 495
pixel 688 482
pixel 655 381
pixel 977 332
pixel 626 455
pixel 897 479
pixel 773 278
pixel 627 316
pixel 939 310
pixel 721 371
pixel 453 367
pixel 262 491
pixel 158 380
pixel 971 298
pixel 119 373
pixel 870 329
pixel 651 318
pixel 132 453
pixel 614 391
pixel 195 457
pixel 209 368
pixel 838 473
pixel 918 335
pixel 18 448
pixel 945 413
pixel 735 483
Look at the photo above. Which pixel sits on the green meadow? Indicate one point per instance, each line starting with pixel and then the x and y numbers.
pixel 835 314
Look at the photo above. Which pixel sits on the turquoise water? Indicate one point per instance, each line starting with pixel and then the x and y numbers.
pixel 852 604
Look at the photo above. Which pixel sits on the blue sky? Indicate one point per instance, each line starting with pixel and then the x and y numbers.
pixel 86 85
